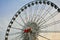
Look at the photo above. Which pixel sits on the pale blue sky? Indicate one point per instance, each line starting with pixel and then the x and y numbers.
pixel 9 7
pixel 7 10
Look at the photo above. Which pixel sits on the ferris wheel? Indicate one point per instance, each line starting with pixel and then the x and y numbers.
pixel 36 20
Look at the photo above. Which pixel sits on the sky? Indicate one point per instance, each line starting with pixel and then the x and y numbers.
pixel 7 10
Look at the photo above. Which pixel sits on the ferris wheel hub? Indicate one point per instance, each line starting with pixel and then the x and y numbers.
pixel 27 30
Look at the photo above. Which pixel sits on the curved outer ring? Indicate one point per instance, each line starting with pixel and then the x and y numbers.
pixel 25 7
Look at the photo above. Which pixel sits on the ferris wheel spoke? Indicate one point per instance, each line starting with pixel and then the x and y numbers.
pixel 37 9
pixel 34 18
pixel 15 38
pixel 21 36
pixel 14 33
pixel 29 17
pixel 44 37
pixel 50 24
pixel 42 8
pixel 34 37
pixel 17 28
pixel 30 14
pixel 37 20
pixel 34 15
pixel 22 20
pixel 19 23
pixel 44 14
pixel 49 31
pixel 26 17
pixel 18 37
pixel 41 21
pixel 50 17
pixel 41 11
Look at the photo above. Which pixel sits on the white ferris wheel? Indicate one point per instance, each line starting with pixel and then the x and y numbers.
pixel 35 19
